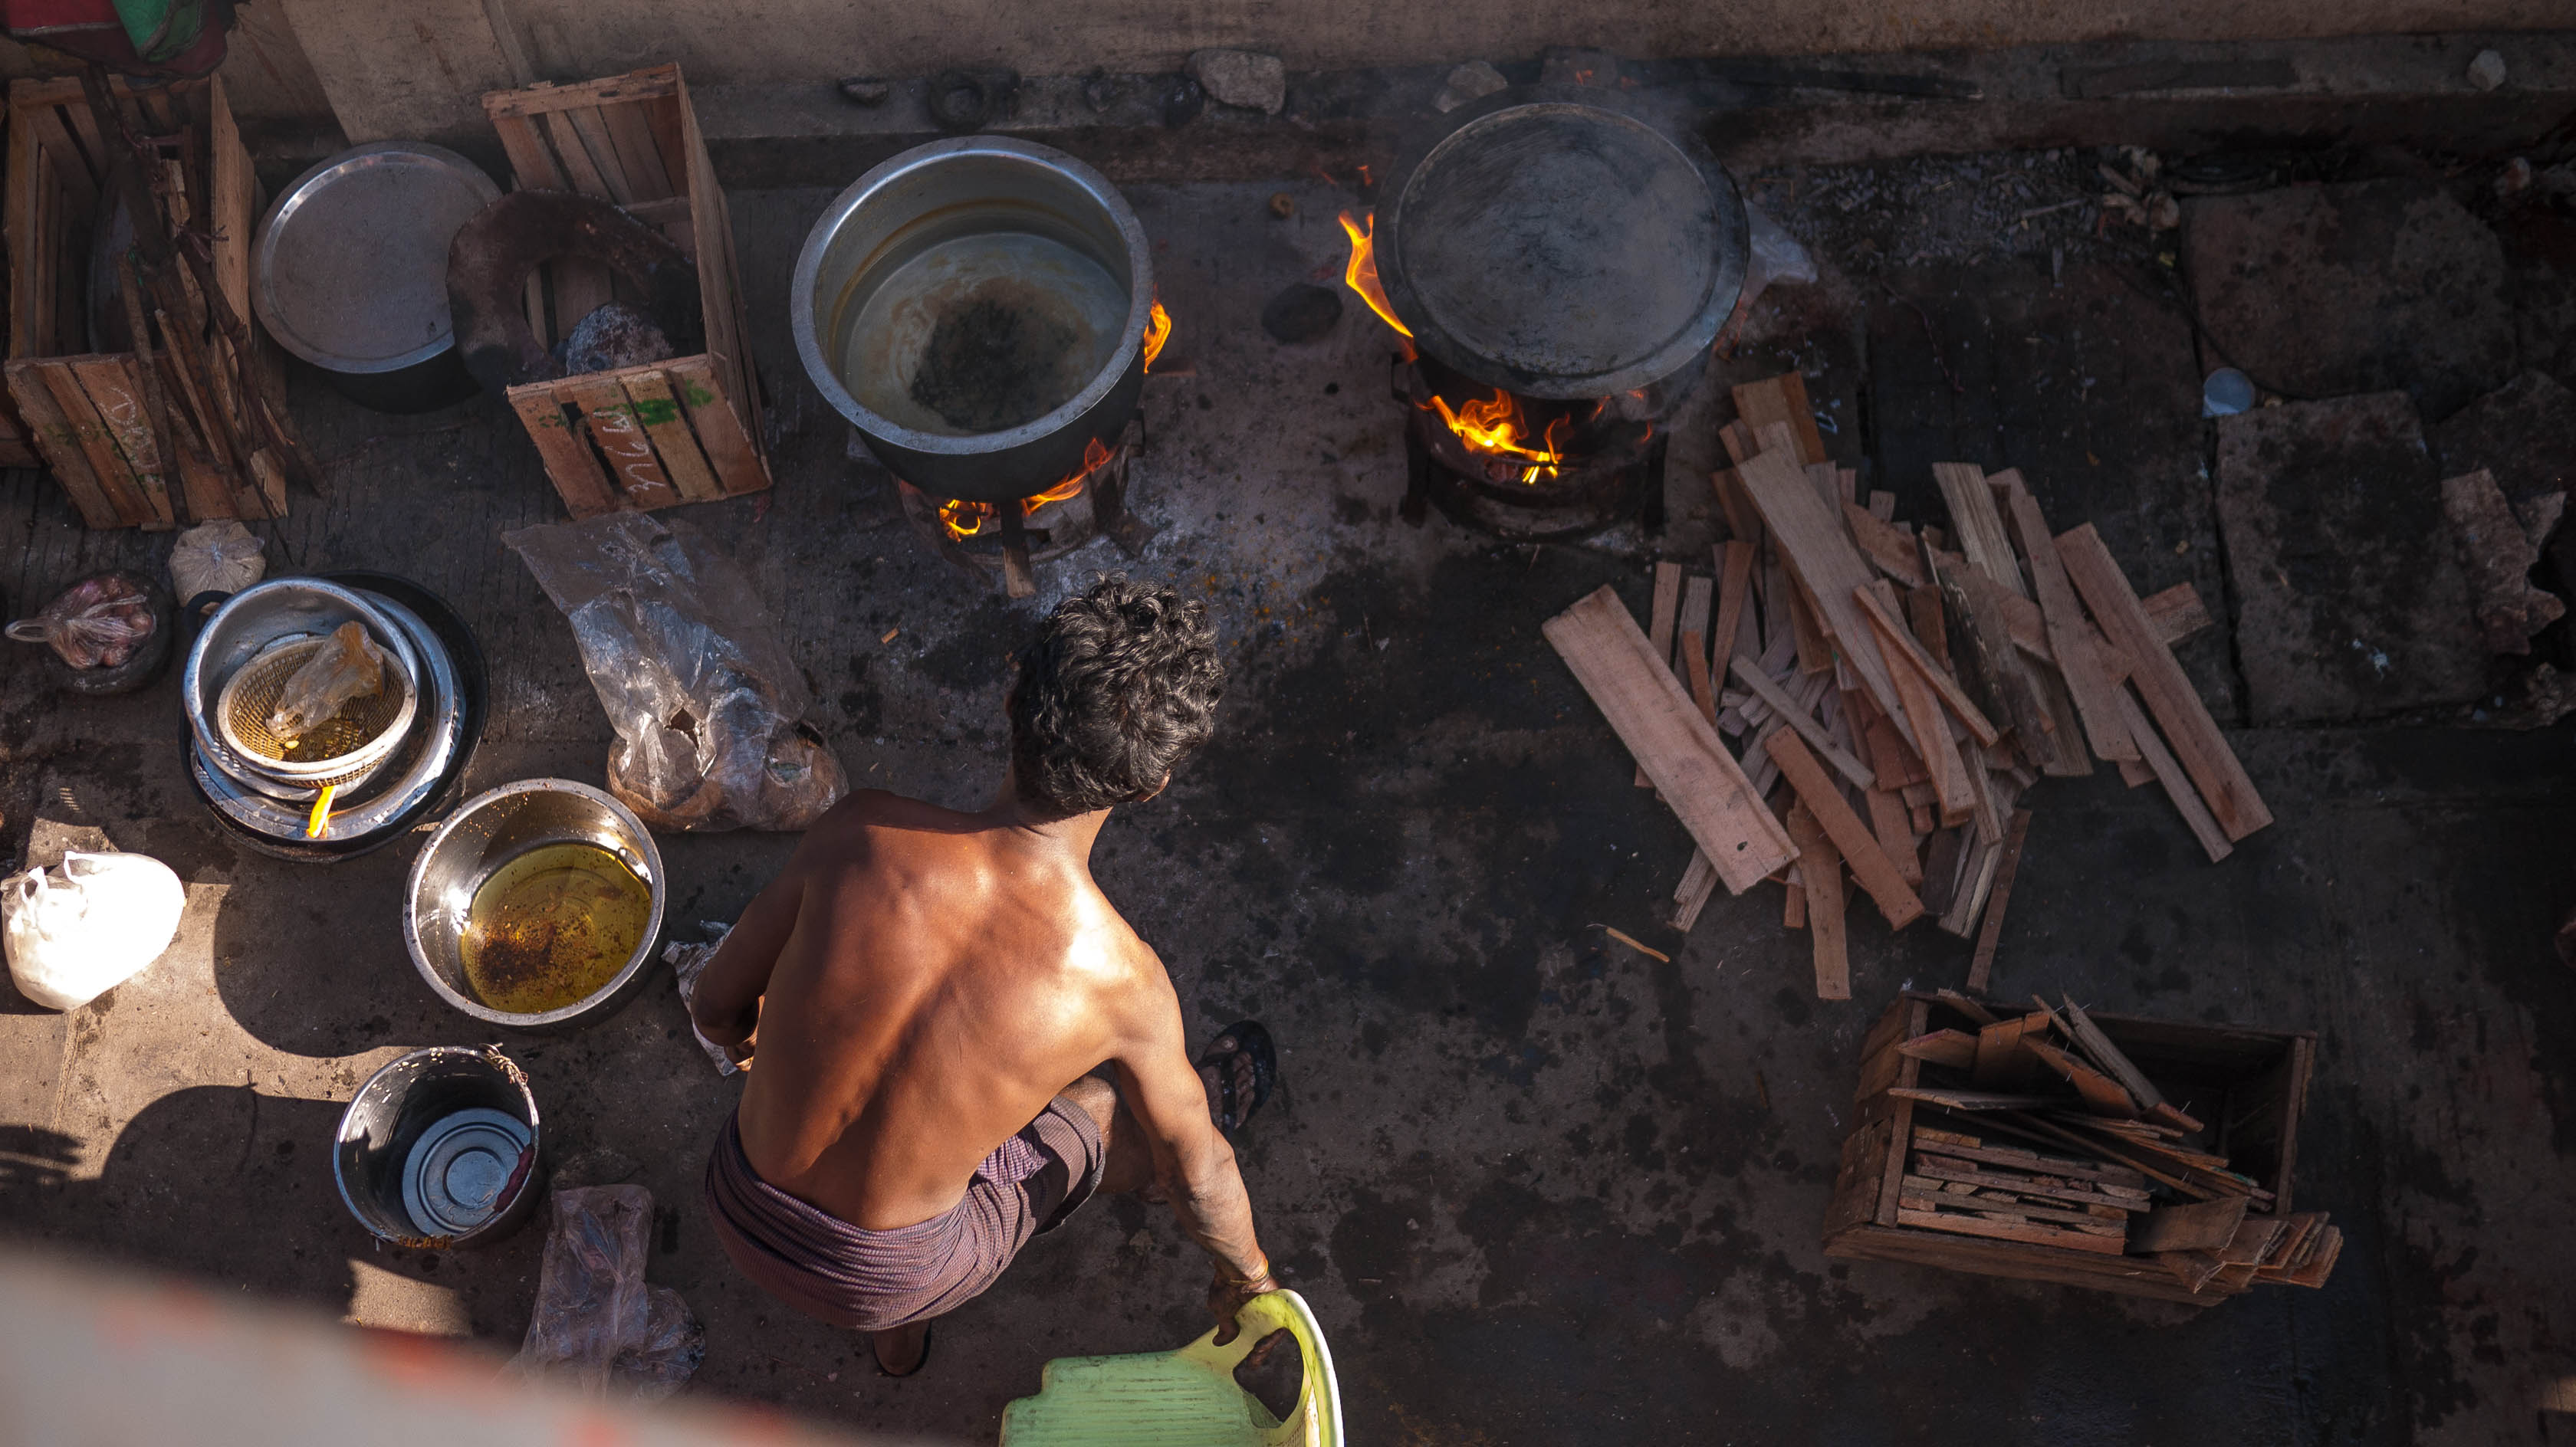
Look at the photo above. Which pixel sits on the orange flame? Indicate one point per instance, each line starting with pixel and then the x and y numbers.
pixel 965 519
pixel 1158 330
pixel 1361 275
pixel 1496 427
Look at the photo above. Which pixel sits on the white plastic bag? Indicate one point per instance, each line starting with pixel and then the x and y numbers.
pixel 73 939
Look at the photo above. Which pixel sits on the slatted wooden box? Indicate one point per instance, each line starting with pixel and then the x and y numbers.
pixel 82 411
pixel 2250 1085
pixel 686 430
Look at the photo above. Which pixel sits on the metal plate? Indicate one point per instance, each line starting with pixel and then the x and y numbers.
pixel 453 1180
pixel 1559 243
pixel 349 270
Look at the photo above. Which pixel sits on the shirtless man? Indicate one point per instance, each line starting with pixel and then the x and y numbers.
pixel 933 990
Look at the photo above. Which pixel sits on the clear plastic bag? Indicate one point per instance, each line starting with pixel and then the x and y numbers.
pixel 597 1324
pixel 707 705
pixel 350 666
pixel 688 962
pixel 1776 256
pixel 218 557
pixel 74 938
pixel 98 622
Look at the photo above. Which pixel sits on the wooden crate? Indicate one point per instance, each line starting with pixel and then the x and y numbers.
pixel 81 410
pixel 686 430
pixel 2249 1084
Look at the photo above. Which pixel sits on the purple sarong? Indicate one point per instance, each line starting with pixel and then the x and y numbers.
pixel 876 1280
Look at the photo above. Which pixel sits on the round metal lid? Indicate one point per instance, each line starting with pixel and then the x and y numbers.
pixel 1556 243
pixel 454 1178
pixel 349 269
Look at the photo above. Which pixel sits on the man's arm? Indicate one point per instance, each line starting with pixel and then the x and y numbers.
pixel 726 1008
pixel 1192 1162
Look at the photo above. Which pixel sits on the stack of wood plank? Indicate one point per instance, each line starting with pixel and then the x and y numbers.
pixel 1891 693
pixel 2034 1144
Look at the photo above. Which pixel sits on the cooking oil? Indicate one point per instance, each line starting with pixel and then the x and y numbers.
pixel 552 926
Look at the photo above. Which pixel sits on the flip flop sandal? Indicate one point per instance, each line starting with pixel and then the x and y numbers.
pixel 927 1333
pixel 1250 1038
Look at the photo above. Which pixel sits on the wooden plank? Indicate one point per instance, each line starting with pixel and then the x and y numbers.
pixel 1821 879
pixel 2170 698
pixel 1735 563
pixel 1802 723
pixel 115 478
pixel 2177 613
pixel 1977 526
pixel 1659 626
pixel 576 474
pixel 2322 1264
pixel 1966 1006
pixel 1695 674
pixel 116 392
pixel 2161 763
pixel 1981 969
pixel 1922 1193
pixel 635 85
pixel 738 465
pixel 2070 637
pixel 1680 750
pixel 1782 401
pixel 2101 1093
pixel 1870 866
pixel 532 165
pixel 53 436
pixel 592 127
pixel 633 470
pixel 657 408
pixel 2001 1061
pixel 1956 1049
pixel 1931 629
pixel 1903 642
pixel 18 222
pixel 2192 1226
pixel 1946 770
pixel 1986 1152
pixel 1818 550
pixel 639 151
pixel 1928 1162
pixel 579 169
pixel 1699 881
pixel 2011 1231
pixel 1888 548
pixel 1893 827
pixel 1972 1100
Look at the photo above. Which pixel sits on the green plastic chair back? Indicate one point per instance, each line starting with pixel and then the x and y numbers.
pixel 1185 1398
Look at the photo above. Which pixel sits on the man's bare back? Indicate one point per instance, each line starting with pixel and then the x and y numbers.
pixel 932 990
pixel 938 980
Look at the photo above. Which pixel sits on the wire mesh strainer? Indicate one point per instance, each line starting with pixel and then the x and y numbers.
pixel 339 750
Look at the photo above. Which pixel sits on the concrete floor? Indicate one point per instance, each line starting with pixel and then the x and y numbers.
pixel 1540 1187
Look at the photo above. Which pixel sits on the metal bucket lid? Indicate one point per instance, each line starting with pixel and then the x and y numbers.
pixel 459 1169
pixel 349 270
pixel 1558 243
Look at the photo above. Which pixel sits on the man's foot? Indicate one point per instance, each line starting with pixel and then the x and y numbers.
pixel 904 1350
pixel 1239 1067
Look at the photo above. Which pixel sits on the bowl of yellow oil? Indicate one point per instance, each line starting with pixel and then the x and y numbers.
pixel 535 905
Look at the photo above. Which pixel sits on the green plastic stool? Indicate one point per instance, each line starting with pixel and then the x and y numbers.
pixel 1185 1398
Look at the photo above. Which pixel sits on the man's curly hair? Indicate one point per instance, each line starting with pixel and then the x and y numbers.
pixel 1120 684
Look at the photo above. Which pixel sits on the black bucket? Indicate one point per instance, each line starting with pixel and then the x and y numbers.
pixel 439 1149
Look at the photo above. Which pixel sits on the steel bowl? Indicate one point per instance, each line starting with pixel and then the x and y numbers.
pixel 491 830
pixel 981 239
pixel 247 626
pixel 1562 242
pixel 440 1148
pixel 349 271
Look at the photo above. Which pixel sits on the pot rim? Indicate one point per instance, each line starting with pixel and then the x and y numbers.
pixel 291 199
pixel 562 1015
pixel 506 1218
pixel 1685 345
pixel 809 265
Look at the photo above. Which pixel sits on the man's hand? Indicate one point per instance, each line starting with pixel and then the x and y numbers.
pixel 1228 1293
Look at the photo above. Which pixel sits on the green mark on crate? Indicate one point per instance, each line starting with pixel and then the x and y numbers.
pixel 655 411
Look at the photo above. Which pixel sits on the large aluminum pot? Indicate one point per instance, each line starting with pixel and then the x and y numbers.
pixel 977 309
pixel 439 1149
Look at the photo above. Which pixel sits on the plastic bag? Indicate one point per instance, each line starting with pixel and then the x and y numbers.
pixel 349 666
pixel 217 557
pixel 597 1324
pixel 705 700
pixel 98 622
pixel 687 962
pixel 73 939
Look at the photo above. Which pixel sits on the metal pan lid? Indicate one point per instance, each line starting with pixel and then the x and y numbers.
pixel 459 1170
pixel 1560 242
pixel 349 269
